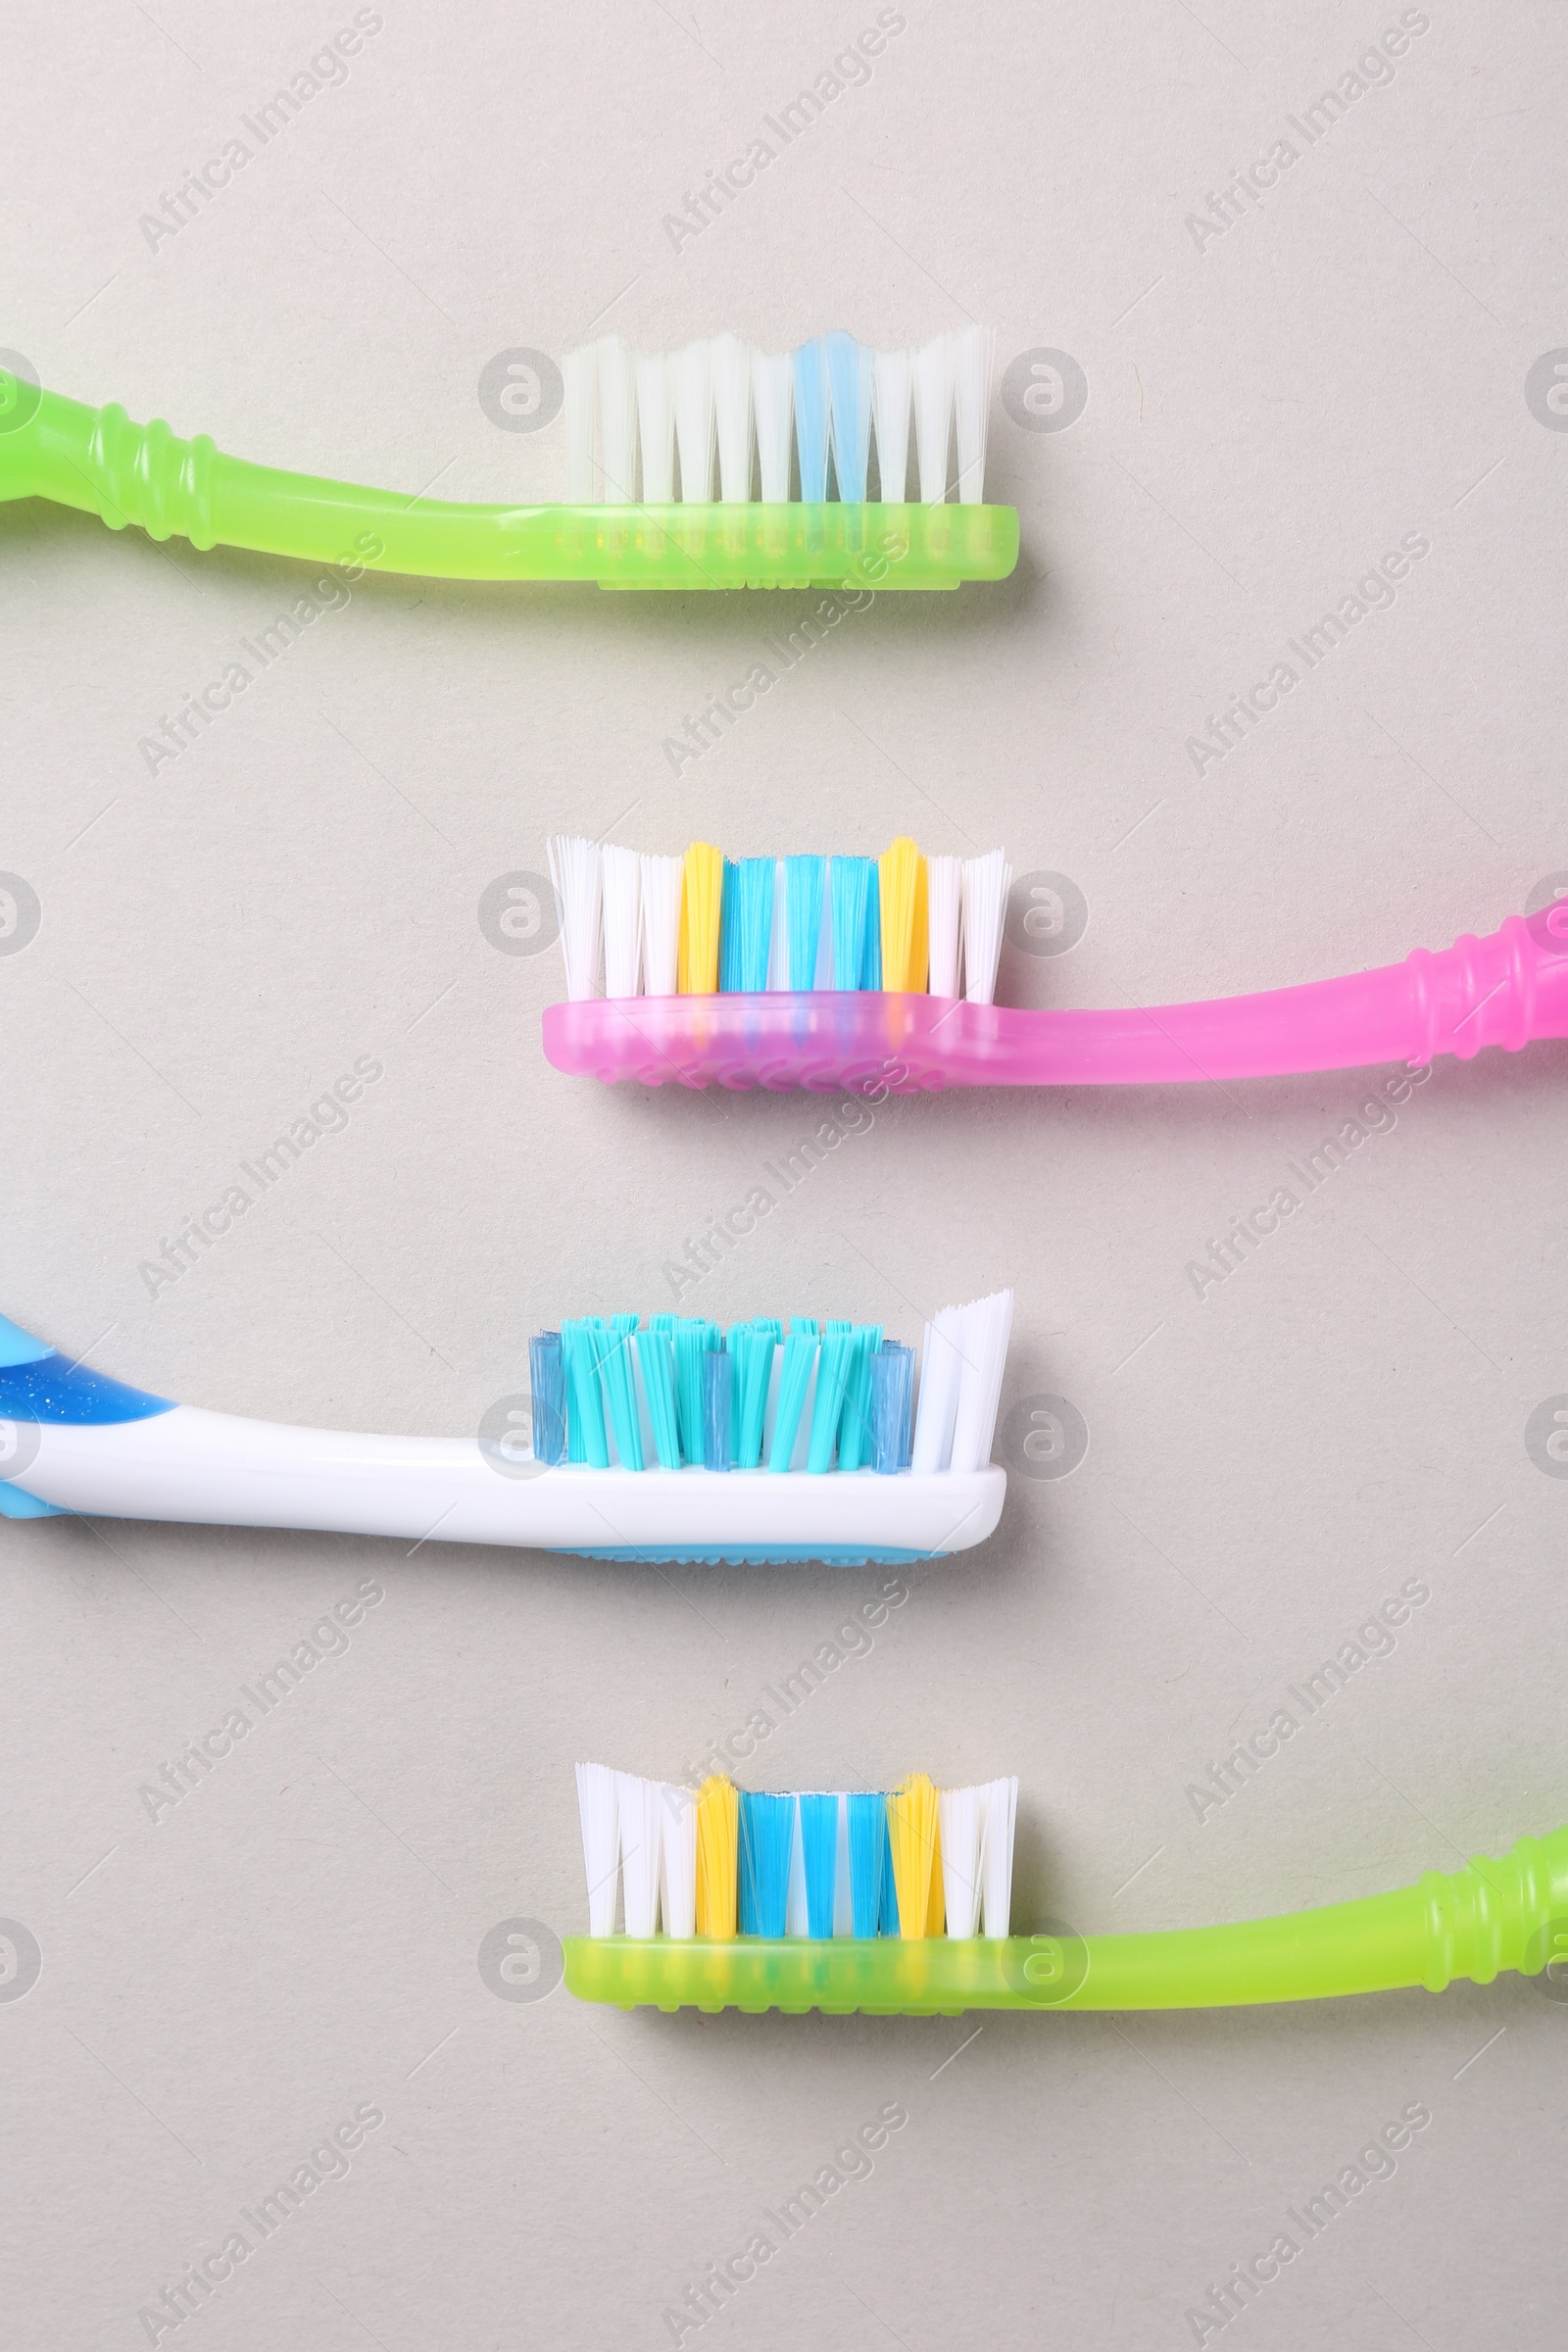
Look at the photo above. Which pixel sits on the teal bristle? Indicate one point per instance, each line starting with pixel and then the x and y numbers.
pixel 812 419
pixel 794 1379
pixel 656 1358
pixel 855 1422
pixel 892 1400
pixel 890 1887
pixel 869 1857
pixel 585 1414
pixel 871 952
pixel 620 1392
pixel 767 1829
pixel 746 924
pixel 691 1345
pixel 819 1850
pixel 547 1380
pixel 716 1373
pixel 832 1379
pixel 850 372
pixel 802 904
pixel 752 1346
pixel 851 882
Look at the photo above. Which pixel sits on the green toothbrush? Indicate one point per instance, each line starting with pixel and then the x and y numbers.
pixel 713 398
pixel 767 1864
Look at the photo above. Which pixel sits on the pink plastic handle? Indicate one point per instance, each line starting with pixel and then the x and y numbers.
pixel 1504 990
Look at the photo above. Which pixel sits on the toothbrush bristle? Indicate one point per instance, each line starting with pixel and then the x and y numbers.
pixel 730 364
pixel 719 1862
pixel 933 416
pixel 707 925
pixel 700 917
pixel 547 1381
pixel 694 422
pixel 717 397
pixel 986 884
pixel 983 1348
pixel 617 419
pixel 892 1398
pixel 973 362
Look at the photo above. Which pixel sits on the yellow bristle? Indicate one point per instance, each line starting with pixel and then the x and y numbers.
pixel 702 900
pixel 936 1917
pixel 905 932
pixel 912 1833
pixel 718 1817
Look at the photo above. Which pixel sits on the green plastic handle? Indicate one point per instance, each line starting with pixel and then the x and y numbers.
pixel 99 461
pixel 1511 1913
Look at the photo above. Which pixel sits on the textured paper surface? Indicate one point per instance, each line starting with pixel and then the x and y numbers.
pixel 1270 404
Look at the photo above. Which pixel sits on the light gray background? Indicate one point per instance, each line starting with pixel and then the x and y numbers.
pixel 1267 414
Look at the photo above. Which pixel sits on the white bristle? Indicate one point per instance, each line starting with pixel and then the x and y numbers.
pixel 576 872
pixel 694 421
pixel 617 419
pixel 971 376
pixel 778 944
pixel 623 893
pixel 640 1806
pixel 797 1918
pixel 663 879
pixel 656 429
pixel 730 366
pixel 677 1848
pixel 945 910
pixel 892 387
pixel 579 375
pixel 983 1350
pixel 939 1392
pixel 773 399
pixel 961 1815
pixel 598 1807
pixel 933 416
pixel 996 1854
pixel 986 884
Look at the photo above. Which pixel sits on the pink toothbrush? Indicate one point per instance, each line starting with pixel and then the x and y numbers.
pixel 845 972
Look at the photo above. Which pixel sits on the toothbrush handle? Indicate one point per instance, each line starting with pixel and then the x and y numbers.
pixel 1491 1915
pixel 1503 990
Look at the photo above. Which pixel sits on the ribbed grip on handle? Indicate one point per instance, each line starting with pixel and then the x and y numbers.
pixel 98 460
pixel 1502 990
pixel 1493 1914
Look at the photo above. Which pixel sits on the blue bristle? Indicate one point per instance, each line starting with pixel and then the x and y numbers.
pixel 794 1379
pixel 892 1396
pixel 768 1827
pixel 855 1422
pixel 812 419
pixel 690 1339
pixel 871 950
pixel 620 1392
pixel 746 924
pixel 802 908
pixel 851 881
pixel 716 1376
pixel 547 1380
pixel 869 1846
pixel 890 1886
pixel 819 1850
pixel 848 367
pixel 656 1357
pixel 585 1411
pixel 832 1379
